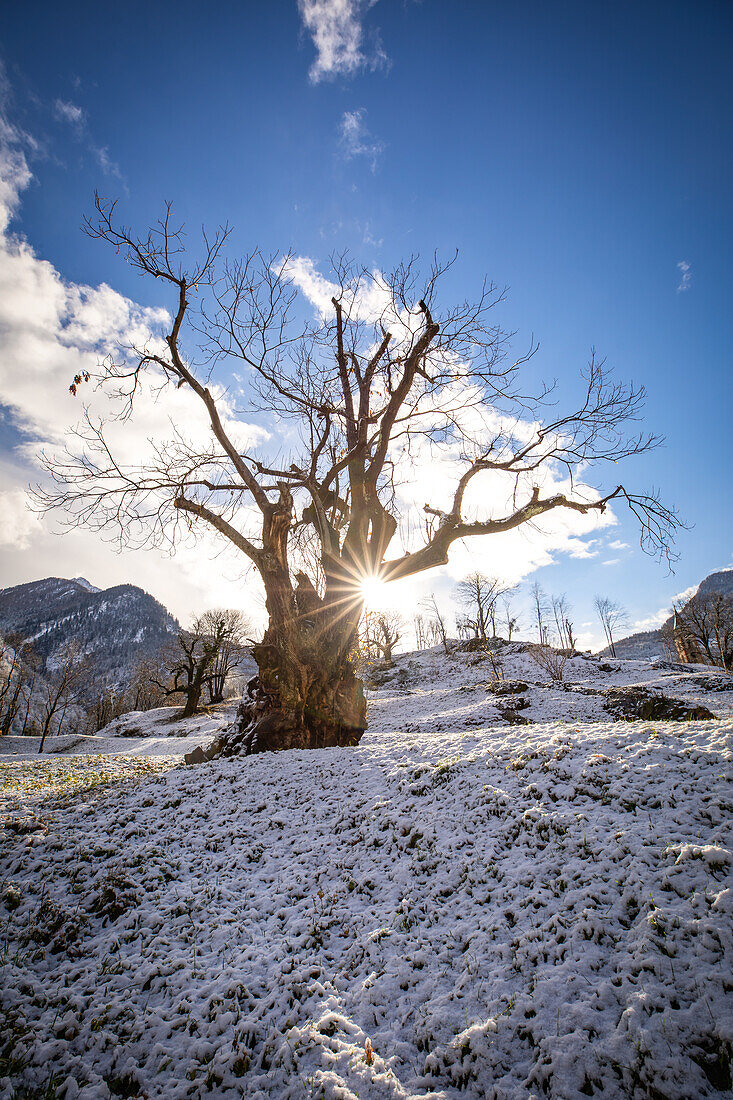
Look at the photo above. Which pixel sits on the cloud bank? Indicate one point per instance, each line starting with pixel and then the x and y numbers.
pixel 50 330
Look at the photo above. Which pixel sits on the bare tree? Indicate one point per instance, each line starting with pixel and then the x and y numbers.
pixel 721 609
pixel 231 627
pixel 29 699
pixel 667 633
pixel 561 611
pixel 437 625
pixel 538 597
pixel 511 619
pixel 479 595
pixel 14 674
pixel 612 616
pixel 191 663
pixel 420 628
pixel 143 689
pixel 381 632
pixel 63 687
pixel 109 702
pixel 384 372
pixel 464 627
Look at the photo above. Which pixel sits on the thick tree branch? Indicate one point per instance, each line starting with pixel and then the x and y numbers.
pixel 221 525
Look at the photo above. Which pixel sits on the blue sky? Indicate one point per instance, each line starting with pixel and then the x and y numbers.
pixel 578 153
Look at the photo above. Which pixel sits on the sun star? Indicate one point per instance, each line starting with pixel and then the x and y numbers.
pixel 374 591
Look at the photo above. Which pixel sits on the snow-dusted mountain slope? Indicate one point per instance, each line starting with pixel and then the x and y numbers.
pixel 114 627
pixel 456 908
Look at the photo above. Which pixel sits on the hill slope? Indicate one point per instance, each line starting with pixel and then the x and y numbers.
pixel 114 627
pixel 507 912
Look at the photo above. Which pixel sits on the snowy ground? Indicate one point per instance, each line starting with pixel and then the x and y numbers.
pixel 153 733
pixel 499 911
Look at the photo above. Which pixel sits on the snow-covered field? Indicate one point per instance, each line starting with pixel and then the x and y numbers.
pixel 538 910
pixel 153 733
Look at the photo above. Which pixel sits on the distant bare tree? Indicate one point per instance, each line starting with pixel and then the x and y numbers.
pixel 437 622
pixel 668 639
pixel 231 627
pixel 143 689
pixel 510 618
pixel 63 687
pixel 464 627
pixel 108 703
pixel 381 632
pixel 612 616
pixel 538 597
pixel 14 674
pixel 479 595
pixel 29 700
pixel 560 613
pixel 420 628
pixel 191 661
pixel 722 615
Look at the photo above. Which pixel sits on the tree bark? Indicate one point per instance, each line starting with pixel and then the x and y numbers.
pixel 193 693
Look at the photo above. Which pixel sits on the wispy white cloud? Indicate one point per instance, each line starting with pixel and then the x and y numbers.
pixel 73 115
pixel 611 561
pixel 368 237
pixel 579 548
pixel 651 622
pixel 618 545
pixel 338 35
pixel 685 270
pixel 68 112
pixel 105 162
pixel 356 140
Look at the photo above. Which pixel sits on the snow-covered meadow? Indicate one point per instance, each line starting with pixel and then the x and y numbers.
pixel 458 907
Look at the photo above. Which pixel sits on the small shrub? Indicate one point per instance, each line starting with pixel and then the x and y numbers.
pixel 552 661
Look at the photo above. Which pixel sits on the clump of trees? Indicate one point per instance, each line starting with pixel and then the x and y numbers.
pixel 62 689
pixel 708 619
pixel 479 595
pixel 64 694
pixel 38 701
pixel 436 624
pixel 18 676
pixel 384 372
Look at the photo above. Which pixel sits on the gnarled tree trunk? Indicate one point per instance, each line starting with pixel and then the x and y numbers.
pixel 306 694
pixel 306 702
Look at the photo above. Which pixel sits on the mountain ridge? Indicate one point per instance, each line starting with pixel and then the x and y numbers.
pixel 115 626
